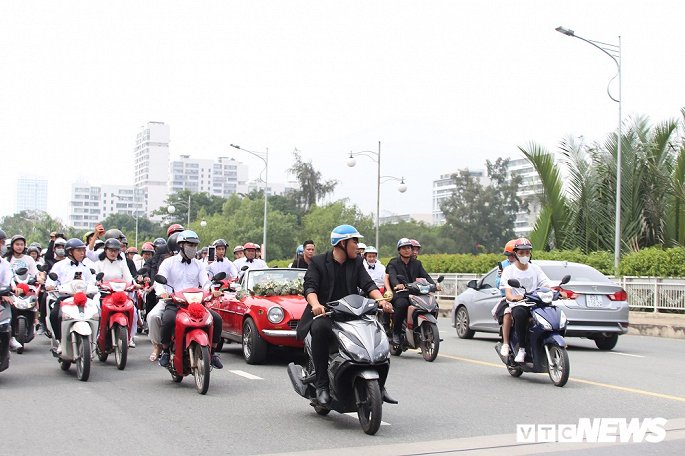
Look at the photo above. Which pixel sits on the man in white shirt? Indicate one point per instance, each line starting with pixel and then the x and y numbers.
pixel 249 259
pixel 221 263
pixel 184 271
pixel 67 270
pixel 374 267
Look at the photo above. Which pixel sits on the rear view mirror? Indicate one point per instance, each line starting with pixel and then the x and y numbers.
pixel 245 268
pixel 21 271
pixel 53 276
pixel 99 276
pixel 514 283
pixel 441 278
pixel 218 277
pixel 566 279
pixel 160 279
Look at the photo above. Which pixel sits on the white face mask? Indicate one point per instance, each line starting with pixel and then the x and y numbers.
pixel 523 259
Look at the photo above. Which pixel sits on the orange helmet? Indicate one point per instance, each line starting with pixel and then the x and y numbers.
pixel 509 248
pixel 522 244
pixel 174 228
pixel 148 247
pixel 249 245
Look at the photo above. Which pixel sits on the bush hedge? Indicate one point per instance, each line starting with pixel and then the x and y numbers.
pixel 654 262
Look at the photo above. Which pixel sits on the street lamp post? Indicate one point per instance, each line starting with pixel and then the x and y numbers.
pixel 264 156
pixel 376 156
pixel 614 52
pixel 171 209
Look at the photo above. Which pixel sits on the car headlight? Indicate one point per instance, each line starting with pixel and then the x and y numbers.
pixel 355 351
pixel 541 321
pixel 562 320
pixel 275 315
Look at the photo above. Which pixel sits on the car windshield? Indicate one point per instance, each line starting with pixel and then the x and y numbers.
pixel 578 272
pixel 275 276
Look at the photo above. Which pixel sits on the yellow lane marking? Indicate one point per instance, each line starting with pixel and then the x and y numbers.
pixel 579 380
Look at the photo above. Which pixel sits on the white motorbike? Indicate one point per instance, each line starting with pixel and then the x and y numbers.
pixel 80 319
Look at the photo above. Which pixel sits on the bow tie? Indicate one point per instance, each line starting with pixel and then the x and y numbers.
pixel 250 261
pixel 74 263
pixel 220 260
pixel 184 260
pixel 372 266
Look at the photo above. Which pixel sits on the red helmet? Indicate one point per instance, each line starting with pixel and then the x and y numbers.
pixel 509 247
pixel 415 243
pixel 148 247
pixel 522 244
pixel 176 227
pixel 250 245
pixel 131 250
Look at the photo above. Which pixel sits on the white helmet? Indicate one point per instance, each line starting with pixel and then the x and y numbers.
pixel 371 249
pixel 361 246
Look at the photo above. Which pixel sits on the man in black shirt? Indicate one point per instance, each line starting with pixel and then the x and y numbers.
pixel 308 251
pixel 332 276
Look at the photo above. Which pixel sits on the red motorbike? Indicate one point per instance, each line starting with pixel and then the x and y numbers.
pixel 191 341
pixel 116 321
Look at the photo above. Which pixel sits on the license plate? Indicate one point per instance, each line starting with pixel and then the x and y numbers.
pixel 593 300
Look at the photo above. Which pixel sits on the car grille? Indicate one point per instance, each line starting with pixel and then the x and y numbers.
pixel 292 324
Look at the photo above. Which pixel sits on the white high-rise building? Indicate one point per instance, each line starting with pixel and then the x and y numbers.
pixel 90 205
pixel 151 164
pixel 221 177
pixel 32 194
pixel 444 186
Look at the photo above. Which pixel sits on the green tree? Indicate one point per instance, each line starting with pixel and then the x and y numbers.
pixel 318 223
pixel 211 204
pixel 481 218
pixel 35 226
pixel 311 189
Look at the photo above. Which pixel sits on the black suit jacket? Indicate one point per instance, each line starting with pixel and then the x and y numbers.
pixel 320 279
pixel 411 271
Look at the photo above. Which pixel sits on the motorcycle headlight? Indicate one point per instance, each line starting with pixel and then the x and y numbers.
pixel 382 350
pixel 542 322
pixel 192 298
pixel 355 351
pixel 546 296
pixel 78 285
pixel 562 320
pixel 275 314
pixel 118 286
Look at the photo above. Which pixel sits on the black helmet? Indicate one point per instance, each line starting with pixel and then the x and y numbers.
pixel 159 242
pixel 98 244
pixel 2 235
pixel 123 240
pixel 74 243
pixel 36 245
pixel 33 248
pixel 172 243
pixel 114 233
pixel 16 238
pixel 219 243
pixel 113 244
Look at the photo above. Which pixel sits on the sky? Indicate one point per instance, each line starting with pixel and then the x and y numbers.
pixel 443 85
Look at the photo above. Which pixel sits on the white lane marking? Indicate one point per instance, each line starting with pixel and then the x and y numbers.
pixel 246 375
pixel 626 354
pixel 354 415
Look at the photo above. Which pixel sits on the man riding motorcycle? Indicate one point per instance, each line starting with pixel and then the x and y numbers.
pixel 221 263
pixel 332 276
pixel 184 271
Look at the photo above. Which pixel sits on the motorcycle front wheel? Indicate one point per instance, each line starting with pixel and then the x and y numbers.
pixel 83 357
pixel 120 346
pixel 560 368
pixel 202 368
pixel 430 341
pixel 370 404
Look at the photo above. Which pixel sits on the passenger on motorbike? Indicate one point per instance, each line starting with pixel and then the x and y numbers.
pixel 374 267
pixel 409 267
pixel 221 263
pixel 348 276
pixel 238 252
pixel 502 312
pixel 250 259
pixel 530 277
pixel 67 270
pixel 184 271
pixel 308 252
pixel 415 248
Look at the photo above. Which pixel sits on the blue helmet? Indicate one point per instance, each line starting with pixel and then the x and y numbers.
pixel 188 236
pixel 299 250
pixel 342 232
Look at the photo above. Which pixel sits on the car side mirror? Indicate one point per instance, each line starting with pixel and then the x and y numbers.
pixel 472 284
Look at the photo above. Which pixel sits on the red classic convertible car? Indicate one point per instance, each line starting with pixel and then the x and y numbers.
pixel 262 310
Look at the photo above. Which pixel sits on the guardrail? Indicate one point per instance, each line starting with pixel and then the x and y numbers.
pixel 652 293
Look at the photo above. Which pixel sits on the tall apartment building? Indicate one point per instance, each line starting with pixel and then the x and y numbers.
pixel 32 194
pixel 90 205
pixel 151 164
pixel 530 189
pixel 221 177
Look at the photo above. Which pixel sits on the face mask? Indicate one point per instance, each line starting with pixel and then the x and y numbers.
pixel 189 251
pixel 3 250
pixel 523 259
pixel 59 252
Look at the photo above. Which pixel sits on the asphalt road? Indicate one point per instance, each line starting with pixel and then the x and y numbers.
pixel 464 401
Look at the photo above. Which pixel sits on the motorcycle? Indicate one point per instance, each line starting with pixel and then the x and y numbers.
pixel 116 318
pixel 357 370
pixel 191 341
pixel 545 345
pixel 5 329
pixel 25 308
pixel 141 296
pixel 80 321
pixel 420 327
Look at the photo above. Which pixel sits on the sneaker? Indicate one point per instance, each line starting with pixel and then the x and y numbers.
pixel 132 344
pixel 520 356
pixel 164 359
pixel 58 350
pixel 396 339
pixel 504 351
pixel 216 361
pixel 14 344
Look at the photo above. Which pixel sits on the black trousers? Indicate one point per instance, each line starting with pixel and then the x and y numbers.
pixel 521 315
pixel 42 306
pixel 400 306
pixel 150 300
pixel 169 324
pixel 55 320
pixel 322 338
